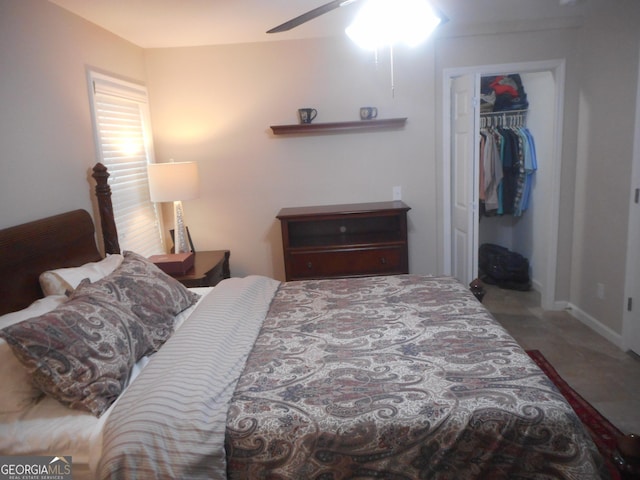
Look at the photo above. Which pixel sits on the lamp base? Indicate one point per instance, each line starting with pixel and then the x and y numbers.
pixel 180 240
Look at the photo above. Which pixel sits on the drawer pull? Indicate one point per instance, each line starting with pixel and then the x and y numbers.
pixel 309 265
pixel 383 260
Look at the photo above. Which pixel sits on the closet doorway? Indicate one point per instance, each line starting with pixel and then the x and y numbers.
pixel 535 234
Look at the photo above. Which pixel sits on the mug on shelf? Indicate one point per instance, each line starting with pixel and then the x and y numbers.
pixel 368 113
pixel 307 114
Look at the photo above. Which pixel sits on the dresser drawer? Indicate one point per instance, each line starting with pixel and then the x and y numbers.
pixel 343 263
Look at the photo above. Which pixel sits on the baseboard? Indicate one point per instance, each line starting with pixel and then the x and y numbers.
pixel 595 325
pixel 536 285
pixel 559 305
pixel 553 306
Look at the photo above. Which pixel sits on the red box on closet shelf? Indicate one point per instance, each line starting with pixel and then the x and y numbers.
pixel 173 263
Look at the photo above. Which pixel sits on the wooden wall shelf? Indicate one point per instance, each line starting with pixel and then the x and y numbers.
pixel 307 128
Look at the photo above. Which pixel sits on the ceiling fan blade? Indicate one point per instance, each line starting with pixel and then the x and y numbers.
pixel 443 18
pixel 310 15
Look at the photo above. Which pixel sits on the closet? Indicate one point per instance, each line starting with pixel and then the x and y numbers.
pixel 536 232
pixel 514 126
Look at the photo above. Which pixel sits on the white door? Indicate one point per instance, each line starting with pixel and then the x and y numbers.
pixel 464 176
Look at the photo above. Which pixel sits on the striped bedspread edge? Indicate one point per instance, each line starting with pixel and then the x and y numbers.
pixel 171 421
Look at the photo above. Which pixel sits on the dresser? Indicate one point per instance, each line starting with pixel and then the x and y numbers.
pixel 332 241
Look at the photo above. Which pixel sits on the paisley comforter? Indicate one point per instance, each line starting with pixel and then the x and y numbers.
pixel 400 377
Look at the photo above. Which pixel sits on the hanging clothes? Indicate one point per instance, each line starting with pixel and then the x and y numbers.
pixel 490 169
pixel 530 166
pixel 507 150
pixel 507 165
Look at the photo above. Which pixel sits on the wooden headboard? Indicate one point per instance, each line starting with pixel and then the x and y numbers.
pixel 105 209
pixel 65 240
pixel 27 250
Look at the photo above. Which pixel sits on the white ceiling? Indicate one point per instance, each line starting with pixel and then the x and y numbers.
pixel 178 23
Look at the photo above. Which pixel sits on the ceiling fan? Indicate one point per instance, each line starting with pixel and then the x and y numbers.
pixel 310 15
pixel 415 24
pixel 326 8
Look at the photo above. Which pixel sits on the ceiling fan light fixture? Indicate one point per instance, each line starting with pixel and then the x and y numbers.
pixel 382 23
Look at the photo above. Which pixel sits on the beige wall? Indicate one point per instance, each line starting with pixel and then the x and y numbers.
pixel 609 76
pixel 214 105
pixel 46 137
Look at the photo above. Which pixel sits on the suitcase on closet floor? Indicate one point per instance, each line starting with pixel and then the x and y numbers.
pixel 500 266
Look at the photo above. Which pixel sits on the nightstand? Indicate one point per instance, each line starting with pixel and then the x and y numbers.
pixel 209 268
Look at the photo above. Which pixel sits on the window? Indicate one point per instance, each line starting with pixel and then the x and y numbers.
pixel 123 138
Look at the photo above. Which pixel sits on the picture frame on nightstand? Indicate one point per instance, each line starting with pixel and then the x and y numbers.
pixel 172 232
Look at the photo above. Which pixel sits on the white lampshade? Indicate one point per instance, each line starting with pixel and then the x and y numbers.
pixel 169 182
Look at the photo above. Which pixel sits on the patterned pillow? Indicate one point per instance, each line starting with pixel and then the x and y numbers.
pixel 82 352
pixel 18 391
pixel 155 297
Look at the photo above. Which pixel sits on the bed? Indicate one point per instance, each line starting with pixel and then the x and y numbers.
pixel 398 377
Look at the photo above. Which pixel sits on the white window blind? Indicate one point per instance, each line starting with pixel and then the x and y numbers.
pixel 123 136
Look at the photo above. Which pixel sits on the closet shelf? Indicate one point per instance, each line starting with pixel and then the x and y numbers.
pixel 504 112
pixel 359 125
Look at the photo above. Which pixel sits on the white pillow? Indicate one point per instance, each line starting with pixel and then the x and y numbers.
pixel 18 392
pixel 65 280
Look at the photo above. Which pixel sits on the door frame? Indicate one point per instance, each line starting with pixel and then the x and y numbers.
pixel 631 318
pixel 557 67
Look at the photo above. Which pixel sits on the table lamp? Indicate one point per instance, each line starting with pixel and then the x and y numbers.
pixel 174 182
